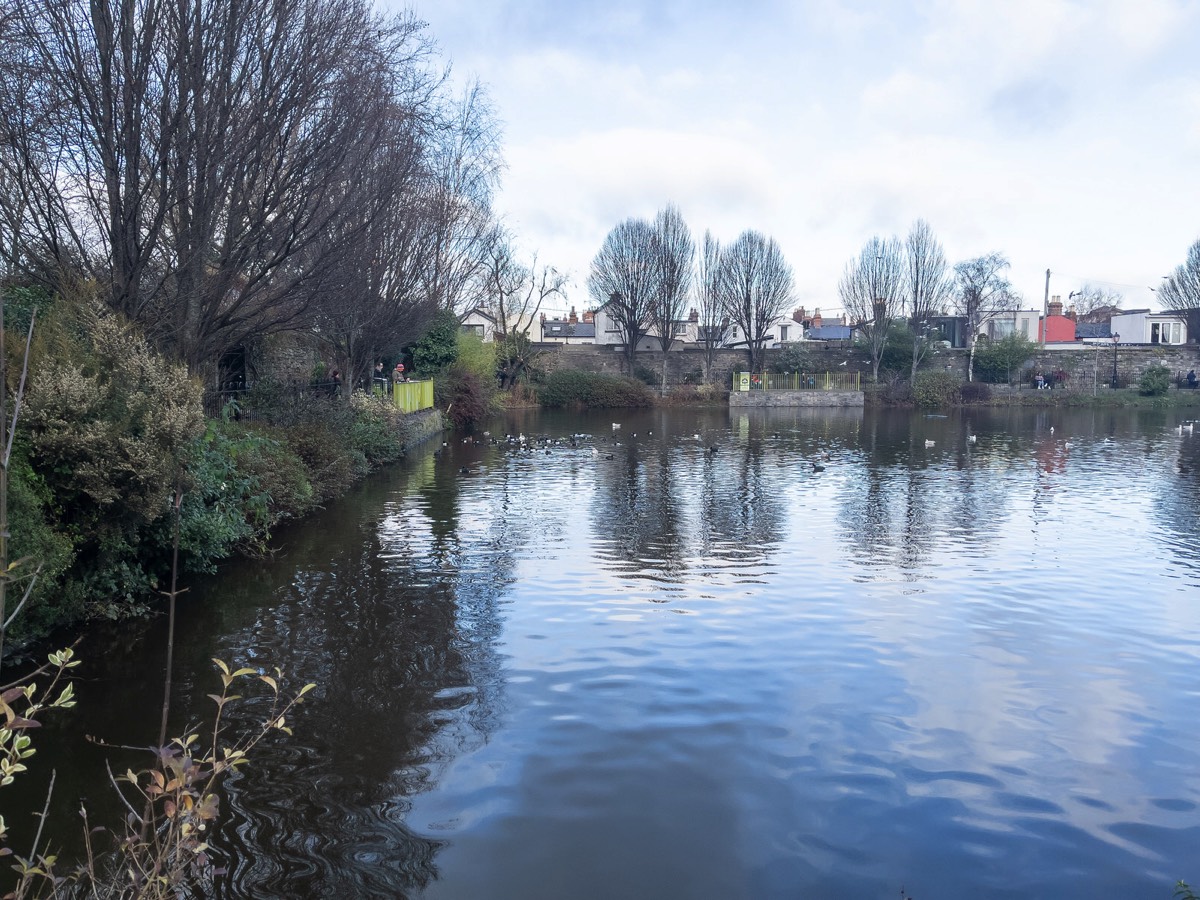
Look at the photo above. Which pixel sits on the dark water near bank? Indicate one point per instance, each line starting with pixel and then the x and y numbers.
pixel 658 671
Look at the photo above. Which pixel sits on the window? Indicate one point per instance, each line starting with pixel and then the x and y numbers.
pixel 1025 328
pixel 782 333
pixel 681 327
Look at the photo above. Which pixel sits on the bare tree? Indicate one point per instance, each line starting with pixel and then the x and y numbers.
pixel 872 292
pixel 1095 303
pixel 756 287
pixel 205 159
pixel 514 294
pixel 466 169
pixel 981 290
pixel 711 312
pixel 623 279
pixel 1180 291
pixel 375 300
pixel 673 251
pixel 928 285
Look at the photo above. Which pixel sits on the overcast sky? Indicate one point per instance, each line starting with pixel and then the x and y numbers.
pixel 1063 134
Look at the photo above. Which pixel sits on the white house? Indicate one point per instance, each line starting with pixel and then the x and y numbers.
pixel 785 329
pixel 1142 326
pixel 480 322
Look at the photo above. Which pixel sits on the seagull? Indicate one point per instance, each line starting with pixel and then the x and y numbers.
pixel 1052 427
pixel 970 438
pixel 617 425
pixel 1189 427
pixel 929 443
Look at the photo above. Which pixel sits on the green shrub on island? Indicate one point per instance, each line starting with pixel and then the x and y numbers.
pixel 571 387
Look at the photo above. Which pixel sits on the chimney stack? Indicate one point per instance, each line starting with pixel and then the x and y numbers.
pixel 693 316
pixel 572 319
pixel 589 317
pixel 798 315
pixel 1055 307
pixel 816 320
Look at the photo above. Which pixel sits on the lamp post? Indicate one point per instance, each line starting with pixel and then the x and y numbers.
pixel 1116 339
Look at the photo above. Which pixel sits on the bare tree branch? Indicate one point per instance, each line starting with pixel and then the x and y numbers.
pixel 872 292
pixel 673 251
pixel 928 284
pixel 755 287
pixel 982 290
pixel 623 281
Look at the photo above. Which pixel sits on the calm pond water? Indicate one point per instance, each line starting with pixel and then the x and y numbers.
pixel 666 666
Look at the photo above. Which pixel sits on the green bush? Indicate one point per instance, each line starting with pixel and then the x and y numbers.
pixel 239 483
pixel 35 540
pixel 108 422
pixel 438 347
pixel 933 390
pixel 647 376
pixel 998 361
pixel 792 358
pixel 376 430
pixel 571 387
pixel 1155 381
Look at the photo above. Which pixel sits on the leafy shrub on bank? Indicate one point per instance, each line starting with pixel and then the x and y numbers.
pixel 376 429
pixel 107 422
pixel 30 522
pixel 571 387
pixel 1155 381
pixel 975 392
pixel 932 390
pixel 238 485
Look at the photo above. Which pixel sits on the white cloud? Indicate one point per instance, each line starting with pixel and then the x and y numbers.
pixel 1062 133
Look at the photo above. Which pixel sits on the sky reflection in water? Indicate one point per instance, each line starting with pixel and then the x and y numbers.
pixel 655 670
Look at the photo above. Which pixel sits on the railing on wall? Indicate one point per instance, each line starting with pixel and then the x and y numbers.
pixel 797 381
pixel 410 396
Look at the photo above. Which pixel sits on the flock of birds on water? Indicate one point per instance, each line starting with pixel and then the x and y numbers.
pixel 545 444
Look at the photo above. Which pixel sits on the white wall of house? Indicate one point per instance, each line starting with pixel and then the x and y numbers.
pixel 1145 327
pixel 480 323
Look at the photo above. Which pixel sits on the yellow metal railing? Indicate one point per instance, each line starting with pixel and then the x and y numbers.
pixel 797 381
pixel 410 396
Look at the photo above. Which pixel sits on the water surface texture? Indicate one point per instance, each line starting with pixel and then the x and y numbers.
pixel 722 655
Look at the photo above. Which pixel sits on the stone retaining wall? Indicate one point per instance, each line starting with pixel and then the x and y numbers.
pixel 422 425
pixel 842 399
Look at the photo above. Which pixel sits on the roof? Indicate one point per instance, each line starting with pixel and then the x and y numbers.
pixel 1092 330
pixel 830 333
pixel 563 328
pixel 477 311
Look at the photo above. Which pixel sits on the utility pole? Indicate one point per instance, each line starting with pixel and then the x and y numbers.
pixel 1045 309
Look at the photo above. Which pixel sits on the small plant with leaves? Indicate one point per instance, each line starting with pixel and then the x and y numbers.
pixel 172 804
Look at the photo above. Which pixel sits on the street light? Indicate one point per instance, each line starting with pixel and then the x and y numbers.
pixel 1116 339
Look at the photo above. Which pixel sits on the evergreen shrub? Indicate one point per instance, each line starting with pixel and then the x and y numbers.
pixel 933 390
pixel 571 387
